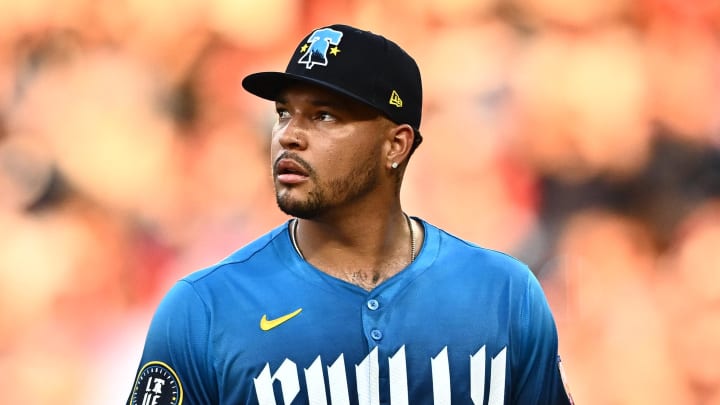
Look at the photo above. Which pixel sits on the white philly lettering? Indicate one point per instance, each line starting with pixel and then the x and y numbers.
pixel 497 378
pixel 288 377
pixel 367 375
pixel 338 382
pixel 315 383
pixel 441 378
pixel 477 371
pixel 398 378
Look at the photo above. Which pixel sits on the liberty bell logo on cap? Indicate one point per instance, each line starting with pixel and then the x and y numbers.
pixel 315 50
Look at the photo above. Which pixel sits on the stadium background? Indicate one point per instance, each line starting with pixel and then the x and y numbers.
pixel 581 136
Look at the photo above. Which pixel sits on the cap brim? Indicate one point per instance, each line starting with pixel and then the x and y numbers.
pixel 269 85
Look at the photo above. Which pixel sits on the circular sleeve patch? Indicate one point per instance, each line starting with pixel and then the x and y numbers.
pixel 157 384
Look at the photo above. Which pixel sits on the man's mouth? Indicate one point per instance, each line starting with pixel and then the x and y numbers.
pixel 288 171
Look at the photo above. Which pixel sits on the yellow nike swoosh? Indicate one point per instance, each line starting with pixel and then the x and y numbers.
pixel 267 324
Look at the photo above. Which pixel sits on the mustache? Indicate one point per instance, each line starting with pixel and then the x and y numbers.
pixel 295 158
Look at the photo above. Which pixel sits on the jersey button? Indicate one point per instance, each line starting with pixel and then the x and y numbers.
pixel 373 304
pixel 376 334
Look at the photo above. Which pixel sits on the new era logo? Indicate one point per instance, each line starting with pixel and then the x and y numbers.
pixel 395 99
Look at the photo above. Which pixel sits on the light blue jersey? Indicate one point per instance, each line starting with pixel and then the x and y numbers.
pixel 460 325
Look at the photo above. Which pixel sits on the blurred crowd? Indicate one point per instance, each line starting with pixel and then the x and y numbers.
pixel 581 136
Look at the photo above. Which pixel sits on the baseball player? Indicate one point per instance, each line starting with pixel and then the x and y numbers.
pixel 351 301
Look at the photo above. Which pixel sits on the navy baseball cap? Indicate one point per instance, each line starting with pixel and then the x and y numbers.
pixel 359 64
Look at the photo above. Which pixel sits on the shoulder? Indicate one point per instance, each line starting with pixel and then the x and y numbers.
pixel 456 251
pixel 258 253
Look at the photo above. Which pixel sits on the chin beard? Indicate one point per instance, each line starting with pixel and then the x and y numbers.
pixel 308 209
pixel 326 196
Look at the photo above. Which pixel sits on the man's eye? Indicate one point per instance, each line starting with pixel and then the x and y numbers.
pixel 283 114
pixel 325 116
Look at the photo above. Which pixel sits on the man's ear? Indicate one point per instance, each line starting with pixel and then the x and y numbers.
pixel 400 141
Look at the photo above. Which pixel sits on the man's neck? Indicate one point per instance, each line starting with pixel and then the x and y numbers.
pixel 363 251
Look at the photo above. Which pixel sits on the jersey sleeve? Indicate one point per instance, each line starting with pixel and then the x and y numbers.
pixel 540 379
pixel 175 367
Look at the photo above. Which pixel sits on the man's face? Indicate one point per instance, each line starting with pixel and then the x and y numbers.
pixel 326 151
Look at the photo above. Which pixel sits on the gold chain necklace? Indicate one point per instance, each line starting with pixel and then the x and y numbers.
pixel 293 238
